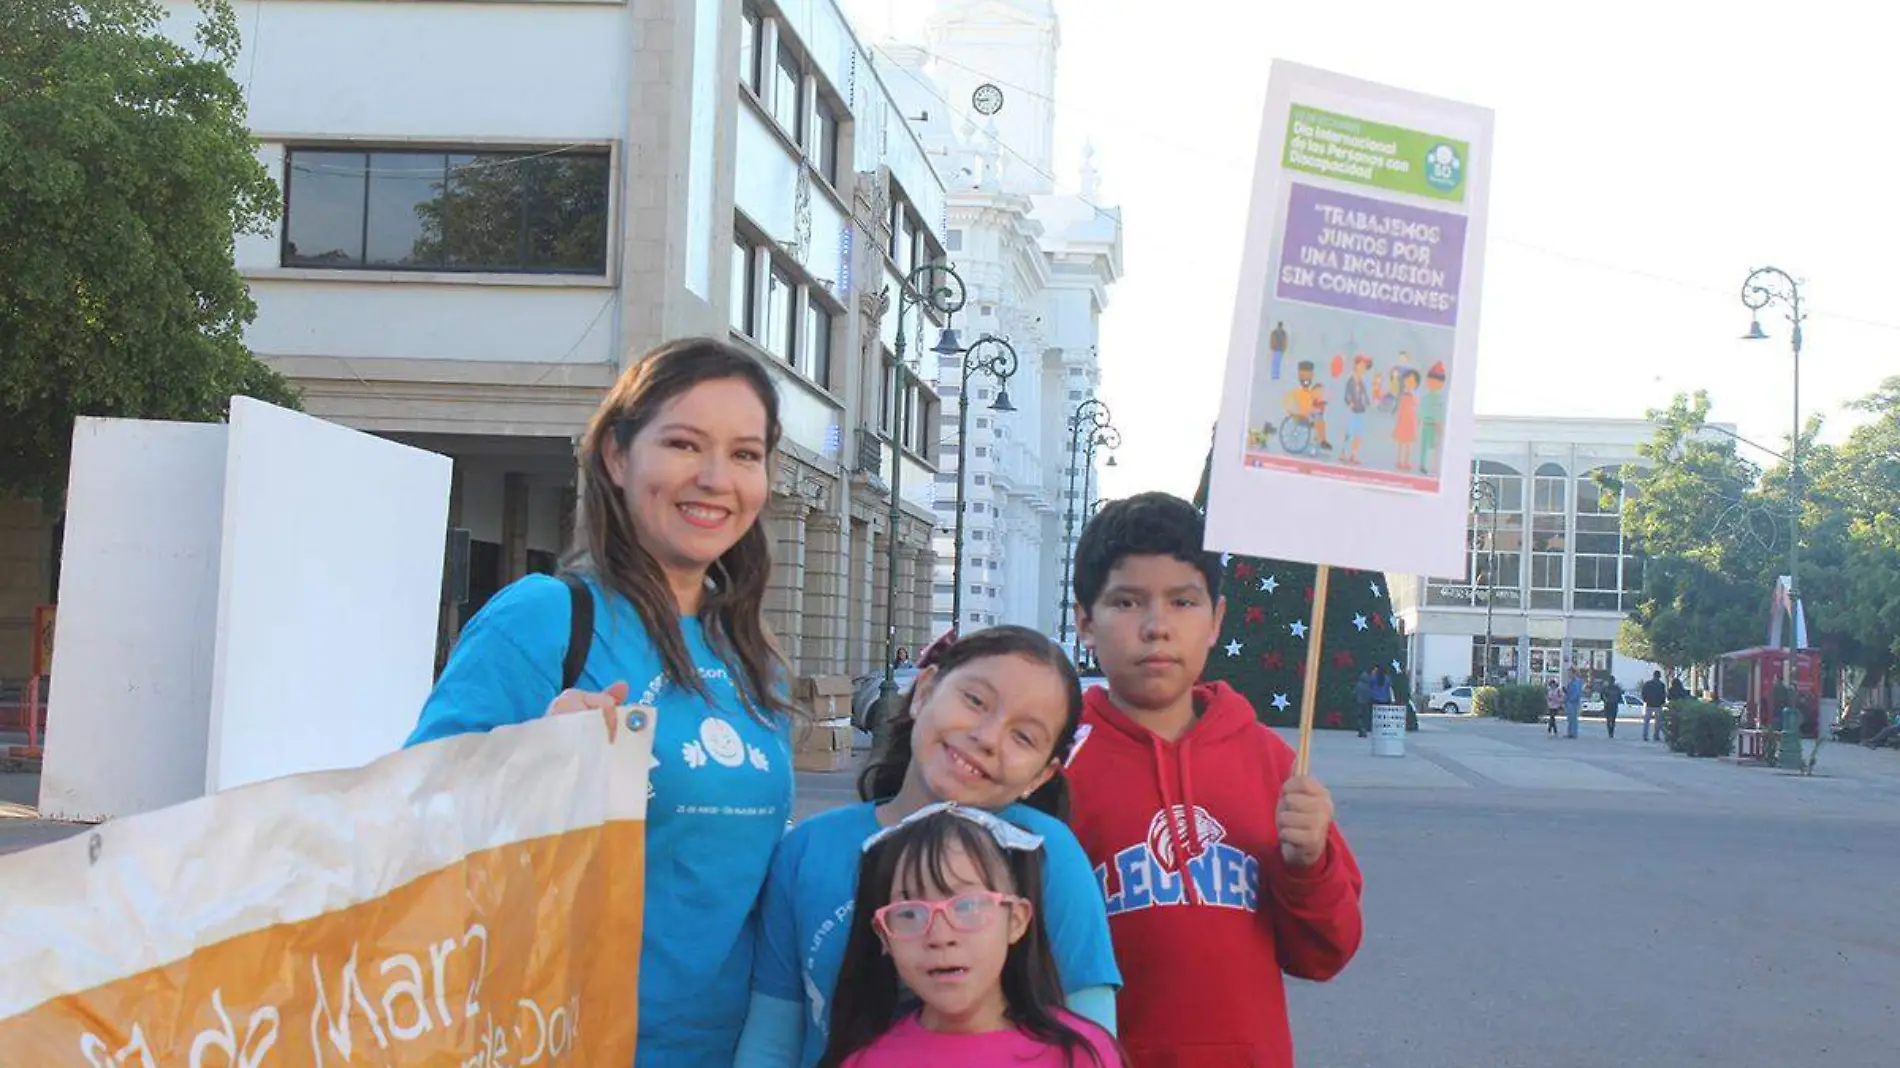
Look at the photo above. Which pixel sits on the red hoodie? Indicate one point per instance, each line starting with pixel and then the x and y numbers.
pixel 1202 959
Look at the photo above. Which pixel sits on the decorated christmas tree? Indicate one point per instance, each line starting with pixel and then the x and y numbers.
pixel 1262 646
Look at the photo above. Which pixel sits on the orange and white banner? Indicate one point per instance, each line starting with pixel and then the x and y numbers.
pixel 474 902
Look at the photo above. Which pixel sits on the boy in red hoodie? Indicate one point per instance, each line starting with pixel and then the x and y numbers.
pixel 1223 871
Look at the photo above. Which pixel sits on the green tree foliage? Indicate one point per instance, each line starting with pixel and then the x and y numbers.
pixel 1850 573
pixel 1707 532
pixel 126 170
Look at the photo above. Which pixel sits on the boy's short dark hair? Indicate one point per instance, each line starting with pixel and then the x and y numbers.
pixel 1147 524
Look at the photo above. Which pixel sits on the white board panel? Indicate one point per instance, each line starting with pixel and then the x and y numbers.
pixel 138 607
pixel 332 571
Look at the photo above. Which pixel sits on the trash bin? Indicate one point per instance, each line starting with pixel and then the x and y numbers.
pixel 1388 730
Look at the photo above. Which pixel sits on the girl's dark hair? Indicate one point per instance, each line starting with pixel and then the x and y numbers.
pixel 884 775
pixel 864 1005
pixel 606 546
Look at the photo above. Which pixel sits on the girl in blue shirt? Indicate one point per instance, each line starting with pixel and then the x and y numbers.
pixel 988 724
pixel 675 470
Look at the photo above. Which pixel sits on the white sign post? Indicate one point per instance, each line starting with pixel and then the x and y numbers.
pixel 1346 421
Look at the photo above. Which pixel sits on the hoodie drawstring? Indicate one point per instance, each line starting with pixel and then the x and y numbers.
pixel 1186 766
pixel 1179 838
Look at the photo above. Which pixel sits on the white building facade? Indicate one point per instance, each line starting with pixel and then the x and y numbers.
pixel 491 207
pixel 1551 576
pixel 1037 264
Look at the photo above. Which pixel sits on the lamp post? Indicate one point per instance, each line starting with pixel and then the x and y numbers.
pixel 1765 286
pixel 999 365
pixel 1487 493
pixel 1089 417
pixel 941 287
pixel 1109 438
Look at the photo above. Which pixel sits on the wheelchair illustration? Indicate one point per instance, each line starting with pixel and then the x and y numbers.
pixel 1297 436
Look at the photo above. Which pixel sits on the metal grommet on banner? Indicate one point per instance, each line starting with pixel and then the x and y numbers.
pixel 636 718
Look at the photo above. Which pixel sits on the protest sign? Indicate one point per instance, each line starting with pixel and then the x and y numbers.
pixel 1345 428
pixel 1344 436
pixel 476 901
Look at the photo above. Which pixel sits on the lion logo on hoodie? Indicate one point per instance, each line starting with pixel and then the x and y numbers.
pixel 1205 831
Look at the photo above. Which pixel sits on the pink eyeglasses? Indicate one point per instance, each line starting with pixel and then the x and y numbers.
pixel 970 912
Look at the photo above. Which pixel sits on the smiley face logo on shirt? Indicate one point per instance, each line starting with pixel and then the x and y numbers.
pixel 721 741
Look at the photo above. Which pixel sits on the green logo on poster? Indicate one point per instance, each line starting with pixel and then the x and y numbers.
pixel 1443 168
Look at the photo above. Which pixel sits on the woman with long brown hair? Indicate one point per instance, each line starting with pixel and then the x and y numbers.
pixel 671 563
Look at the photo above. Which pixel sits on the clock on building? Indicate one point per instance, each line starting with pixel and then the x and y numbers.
pixel 987 99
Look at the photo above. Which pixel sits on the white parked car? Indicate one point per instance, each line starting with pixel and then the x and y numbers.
pixel 1452 701
pixel 1593 704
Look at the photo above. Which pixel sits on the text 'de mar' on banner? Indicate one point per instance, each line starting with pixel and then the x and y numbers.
pixel 476 901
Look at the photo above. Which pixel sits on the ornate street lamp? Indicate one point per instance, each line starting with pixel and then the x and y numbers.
pixel 1763 287
pixel 1087 420
pixel 1109 438
pixel 1486 493
pixel 940 287
pixel 1000 365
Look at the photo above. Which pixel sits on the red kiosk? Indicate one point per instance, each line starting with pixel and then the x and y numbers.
pixel 1774 663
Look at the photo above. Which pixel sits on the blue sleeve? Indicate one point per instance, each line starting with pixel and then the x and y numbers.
pixel 507 666
pixel 775 967
pixel 774 1033
pixel 1095 1004
pixel 1076 913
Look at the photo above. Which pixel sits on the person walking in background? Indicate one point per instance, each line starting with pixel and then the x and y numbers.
pixel 1573 703
pixel 1362 701
pixel 1381 691
pixel 1655 696
pixel 1612 702
pixel 1553 703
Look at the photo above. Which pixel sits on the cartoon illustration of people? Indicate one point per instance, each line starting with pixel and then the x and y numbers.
pixel 1276 343
pixel 1405 428
pixel 1431 416
pixel 1306 402
pixel 1358 399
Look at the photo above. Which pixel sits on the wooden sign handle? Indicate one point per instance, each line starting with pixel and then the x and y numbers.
pixel 1310 689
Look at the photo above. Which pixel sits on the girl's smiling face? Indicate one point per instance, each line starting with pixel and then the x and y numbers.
pixel 986 732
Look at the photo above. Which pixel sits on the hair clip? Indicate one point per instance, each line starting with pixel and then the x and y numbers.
pixel 1007 834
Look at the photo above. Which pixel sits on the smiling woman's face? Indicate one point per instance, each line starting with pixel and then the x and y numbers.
pixel 695 478
pixel 986 732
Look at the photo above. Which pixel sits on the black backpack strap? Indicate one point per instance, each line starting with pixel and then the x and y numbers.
pixel 580 638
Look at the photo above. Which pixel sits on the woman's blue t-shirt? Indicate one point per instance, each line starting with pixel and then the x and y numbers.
pixel 719 797
pixel 805 917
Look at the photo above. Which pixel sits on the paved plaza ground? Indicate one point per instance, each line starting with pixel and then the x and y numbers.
pixel 1550 903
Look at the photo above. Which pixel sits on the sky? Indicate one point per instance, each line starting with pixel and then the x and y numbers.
pixel 1648 156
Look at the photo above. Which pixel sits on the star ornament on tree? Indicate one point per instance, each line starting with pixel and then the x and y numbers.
pixel 1234 647
pixel 1280 702
pixel 1359 621
pixel 1297 628
pixel 1376 591
pixel 1269 584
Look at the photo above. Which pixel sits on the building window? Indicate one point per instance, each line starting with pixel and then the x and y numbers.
pixel 977 507
pixel 751 40
pixel 815 359
pixel 787 104
pixel 540 213
pixel 981 480
pixel 953 240
pixel 1601 556
pixel 1550 501
pixel 741 296
pixel 982 423
pixel 781 300
pixel 982 450
pixel 825 146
